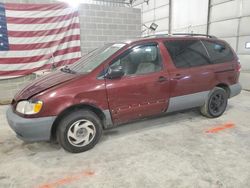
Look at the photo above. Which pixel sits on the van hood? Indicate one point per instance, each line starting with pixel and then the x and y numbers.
pixel 43 83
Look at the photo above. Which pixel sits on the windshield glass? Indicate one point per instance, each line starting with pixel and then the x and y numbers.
pixel 95 58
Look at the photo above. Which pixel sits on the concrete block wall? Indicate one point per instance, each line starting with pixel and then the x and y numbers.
pixel 9 87
pixel 99 24
pixel 103 24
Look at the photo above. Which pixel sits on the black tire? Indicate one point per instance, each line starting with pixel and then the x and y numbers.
pixel 213 108
pixel 72 119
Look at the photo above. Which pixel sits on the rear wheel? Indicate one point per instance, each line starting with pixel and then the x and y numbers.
pixel 79 131
pixel 216 103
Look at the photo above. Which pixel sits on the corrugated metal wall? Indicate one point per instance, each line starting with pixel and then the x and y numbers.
pixel 230 20
pixel 186 16
pixel 154 11
pixel 227 19
pixel 189 16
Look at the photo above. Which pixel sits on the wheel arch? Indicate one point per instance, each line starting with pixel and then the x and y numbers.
pixel 225 87
pixel 104 116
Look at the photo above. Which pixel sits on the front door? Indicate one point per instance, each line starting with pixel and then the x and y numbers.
pixel 143 90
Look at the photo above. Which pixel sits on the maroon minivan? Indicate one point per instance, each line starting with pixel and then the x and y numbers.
pixel 125 81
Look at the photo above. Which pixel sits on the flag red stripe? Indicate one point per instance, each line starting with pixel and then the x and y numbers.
pixel 23 47
pixel 54 19
pixel 18 60
pixel 33 59
pixel 42 32
pixel 35 7
pixel 28 71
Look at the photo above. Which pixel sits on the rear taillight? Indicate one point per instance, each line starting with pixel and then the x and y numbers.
pixel 238 67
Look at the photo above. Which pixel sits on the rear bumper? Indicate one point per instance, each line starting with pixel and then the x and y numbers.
pixel 30 129
pixel 235 89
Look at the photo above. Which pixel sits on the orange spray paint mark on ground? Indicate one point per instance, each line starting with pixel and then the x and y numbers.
pixel 221 127
pixel 67 180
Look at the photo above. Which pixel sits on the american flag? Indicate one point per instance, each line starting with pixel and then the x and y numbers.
pixel 35 37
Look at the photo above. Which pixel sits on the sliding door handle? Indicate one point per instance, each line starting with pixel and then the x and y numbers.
pixel 162 79
pixel 178 76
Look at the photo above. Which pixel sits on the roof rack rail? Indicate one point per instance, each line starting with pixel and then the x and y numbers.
pixel 156 35
pixel 194 34
pixel 184 34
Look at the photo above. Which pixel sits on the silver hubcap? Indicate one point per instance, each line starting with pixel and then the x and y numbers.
pixel 81 133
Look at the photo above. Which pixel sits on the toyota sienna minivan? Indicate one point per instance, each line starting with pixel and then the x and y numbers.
pixel 123 82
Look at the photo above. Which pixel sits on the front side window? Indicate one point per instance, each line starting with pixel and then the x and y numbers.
pixel 187 53
pixel 218 52
pixel 140 60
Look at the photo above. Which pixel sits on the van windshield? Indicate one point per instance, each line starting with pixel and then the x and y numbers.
pixel 93 59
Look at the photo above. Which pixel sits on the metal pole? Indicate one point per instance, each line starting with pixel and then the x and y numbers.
pixel 170 17
pixel 238 28
pixel 208 16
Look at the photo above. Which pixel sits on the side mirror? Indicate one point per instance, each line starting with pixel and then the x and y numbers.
pixel 115 72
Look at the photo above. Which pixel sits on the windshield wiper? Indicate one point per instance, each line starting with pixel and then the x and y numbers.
pixel 68 70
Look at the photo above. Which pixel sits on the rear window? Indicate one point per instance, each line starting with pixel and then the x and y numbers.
pixel 187 53
pixel 218 52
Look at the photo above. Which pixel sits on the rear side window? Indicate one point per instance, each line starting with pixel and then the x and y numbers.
pixel 218 52
pixel 187 53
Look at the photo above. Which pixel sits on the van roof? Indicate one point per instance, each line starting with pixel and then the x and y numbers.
pixel 180 35
pixel 173 35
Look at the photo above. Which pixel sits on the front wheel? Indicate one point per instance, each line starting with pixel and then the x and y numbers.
pixel 216 103
pixel 79 131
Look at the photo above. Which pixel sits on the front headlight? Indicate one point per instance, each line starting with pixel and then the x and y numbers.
pixel 29 107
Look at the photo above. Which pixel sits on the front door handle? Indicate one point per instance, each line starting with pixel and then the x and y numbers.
pixel 162 79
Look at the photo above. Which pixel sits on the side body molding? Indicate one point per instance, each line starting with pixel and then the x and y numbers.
pixel 187 101
pixel 108 119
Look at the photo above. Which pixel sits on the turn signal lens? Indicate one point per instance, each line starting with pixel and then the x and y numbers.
pixel 38 106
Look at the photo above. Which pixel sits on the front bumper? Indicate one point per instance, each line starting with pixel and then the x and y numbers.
pixel 30 129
